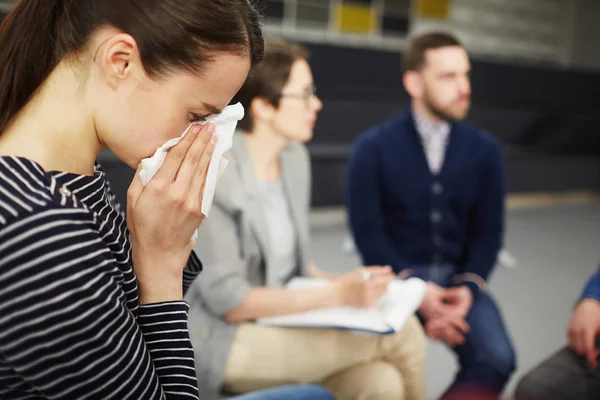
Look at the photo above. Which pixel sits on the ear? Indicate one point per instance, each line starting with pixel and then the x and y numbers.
pixel 413 83
pixel 262 109
pixel 119 59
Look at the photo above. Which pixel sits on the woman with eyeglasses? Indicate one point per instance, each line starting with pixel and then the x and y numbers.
pixel 257 239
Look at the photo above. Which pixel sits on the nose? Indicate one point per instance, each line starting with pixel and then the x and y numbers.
pixel 465 87
pixel 317 104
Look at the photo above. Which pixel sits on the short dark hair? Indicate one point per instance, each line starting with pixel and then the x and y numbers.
pixel 268 79
pixel 414 54
pixel 37 34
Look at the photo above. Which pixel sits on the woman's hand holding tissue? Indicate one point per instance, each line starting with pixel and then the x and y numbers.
pixel 163 215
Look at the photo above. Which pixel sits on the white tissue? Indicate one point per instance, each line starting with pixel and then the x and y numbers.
pixel 225 124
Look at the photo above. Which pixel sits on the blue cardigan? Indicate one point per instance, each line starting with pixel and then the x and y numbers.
pixel 402 215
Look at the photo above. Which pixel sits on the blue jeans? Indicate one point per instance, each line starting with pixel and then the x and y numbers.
pixel 487 358
pixel 291 392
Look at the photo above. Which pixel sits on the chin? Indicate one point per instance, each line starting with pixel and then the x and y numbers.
pixel 458 115
pixel 301 137
pixel 306 138
pixel 309 135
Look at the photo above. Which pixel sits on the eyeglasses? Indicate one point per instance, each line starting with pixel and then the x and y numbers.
pixel 305 95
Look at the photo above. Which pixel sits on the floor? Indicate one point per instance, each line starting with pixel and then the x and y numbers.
pixel 556 249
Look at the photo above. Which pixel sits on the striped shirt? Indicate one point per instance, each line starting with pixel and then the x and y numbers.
pixel 71 326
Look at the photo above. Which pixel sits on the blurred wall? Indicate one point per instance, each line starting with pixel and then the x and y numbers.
pixel 546 118
pixel 533 84
pixel 538 30
pixel 585 50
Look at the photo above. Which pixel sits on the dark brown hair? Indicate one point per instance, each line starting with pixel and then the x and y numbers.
pixel 414 54
pixel 37 34
pixel 270 77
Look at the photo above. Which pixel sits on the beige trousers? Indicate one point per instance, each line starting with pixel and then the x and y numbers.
pixel 353 366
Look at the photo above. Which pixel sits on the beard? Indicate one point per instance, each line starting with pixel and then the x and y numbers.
pixel 447 113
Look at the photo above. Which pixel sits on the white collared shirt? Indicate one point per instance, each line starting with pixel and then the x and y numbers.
pixel 434 136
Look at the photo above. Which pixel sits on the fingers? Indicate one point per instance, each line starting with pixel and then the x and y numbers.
pixel 460 324
pixel 375 270
pixel 443 329
pixel 380 270
pixel 374 289
pixel 451 330
pixel 453 336
pixel 457 296
pixel 452 295
pixel 433 331
pixel 592 358
pixel 580 342
pixel 459 310
pixel 176 155
pixel 573 336
pixel 198 181
pixel 194 156
pixel 433 288
pixel 201 196
pixel 589 347
pixel 380 283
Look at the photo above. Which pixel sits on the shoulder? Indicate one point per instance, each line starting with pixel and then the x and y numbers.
pixel 50 238
pixel 27 190
pixel 479 137
pixel 50 221
pixel 378 135
pixel 31 196
pixel 481 143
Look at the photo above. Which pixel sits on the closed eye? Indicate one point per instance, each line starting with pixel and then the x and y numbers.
pixel 197 118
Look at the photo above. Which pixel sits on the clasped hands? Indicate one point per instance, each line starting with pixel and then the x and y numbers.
pixel 445 311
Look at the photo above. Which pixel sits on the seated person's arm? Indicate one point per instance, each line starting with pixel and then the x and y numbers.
pixel 315 272
pixel 263 302
pixel 592 289
pixel 349 290
pixel 363 198
pixel 226 291
pixel 487 226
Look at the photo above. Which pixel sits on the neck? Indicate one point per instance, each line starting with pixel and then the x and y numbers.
pixel 265 147
pixel 425 112
pixel 55 129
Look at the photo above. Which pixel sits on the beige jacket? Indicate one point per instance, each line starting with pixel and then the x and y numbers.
pixel 233 245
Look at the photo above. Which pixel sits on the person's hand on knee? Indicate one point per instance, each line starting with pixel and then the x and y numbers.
pixel 583 329
pixel 449 328
pixel 433 303
pixel 458 301
pixel 444 311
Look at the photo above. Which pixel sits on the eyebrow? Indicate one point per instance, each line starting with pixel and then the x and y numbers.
pixel 212 109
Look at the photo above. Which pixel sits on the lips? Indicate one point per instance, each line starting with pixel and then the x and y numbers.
pixel 463 103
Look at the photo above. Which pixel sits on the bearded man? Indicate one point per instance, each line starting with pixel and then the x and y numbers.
pixel 425 195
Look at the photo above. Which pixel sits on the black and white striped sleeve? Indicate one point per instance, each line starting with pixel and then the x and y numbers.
pixel 65 329
pixel 191 271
